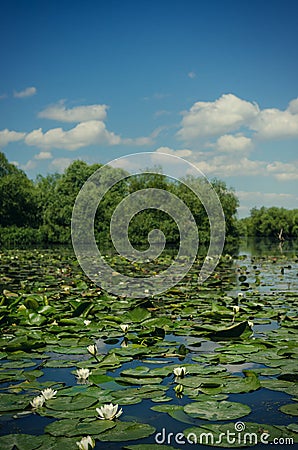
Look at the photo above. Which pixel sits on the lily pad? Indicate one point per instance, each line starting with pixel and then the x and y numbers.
pixel 66 403
pixel 291 409
pixel 20 442
pixel 212 410
pixel 127 431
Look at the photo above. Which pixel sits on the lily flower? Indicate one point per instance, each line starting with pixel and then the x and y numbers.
pixel 85 442
pixel 178 389
pixel 83 374
pixel 124 327
pixel 48 393
pixel 87 322
pixel 180 372
pixel 109 412
pixel 236 309
pixel 37 402
pixel 92 349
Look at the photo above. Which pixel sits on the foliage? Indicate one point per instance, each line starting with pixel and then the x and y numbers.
pixel 41 211
pixel 278 223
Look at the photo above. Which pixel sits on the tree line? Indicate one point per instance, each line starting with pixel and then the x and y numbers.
pixel 40 211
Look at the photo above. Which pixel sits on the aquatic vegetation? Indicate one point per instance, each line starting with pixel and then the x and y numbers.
pixel 204 342
pixel 109 412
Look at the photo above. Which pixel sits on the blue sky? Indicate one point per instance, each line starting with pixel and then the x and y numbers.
pixel 215 82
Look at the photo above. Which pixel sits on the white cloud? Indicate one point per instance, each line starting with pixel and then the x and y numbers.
pixel 7 136
pixel 226 166
pixel 205 119
pixel 84 134
pixel 191 74
pixel 293 106
pixel 28 166
pixel 60 164
pixel 76 114
pixel 283 171
pixel 231 143
pixel 28 92
pixel 43 155
pixel 169 151
pixel 137 141
pixel 249 200
pixel 274 124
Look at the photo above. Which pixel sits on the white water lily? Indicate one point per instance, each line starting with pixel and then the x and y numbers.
pixel 48 393
pixel 236 309
pixel 86 443
pixel 109 412
pixel 87 322
pixel 83 374
pixel 180 372
pixel 240 295
pixel 38 401
pixel 124 327
pixel 250 324
pixel 178 389
pixel 92 349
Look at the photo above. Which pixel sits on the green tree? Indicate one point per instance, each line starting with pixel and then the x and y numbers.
pixel 18 199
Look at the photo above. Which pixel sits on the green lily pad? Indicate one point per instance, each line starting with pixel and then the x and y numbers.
pixel 71 427
pixel 66 403
pixel 20 442
pixel 291 409
pixel 127 431
pixel 213 410
pixel 12 402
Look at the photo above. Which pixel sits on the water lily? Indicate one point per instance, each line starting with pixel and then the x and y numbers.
pixel 124 327
pixel 83 374
pixel 38 401
pixel 48 393
pixel 240 295
pixel 180 372
pixel 87 322
pixel 85 443
pixel 179 390
pixel 108 412
pixel 250 324
pixel 92 349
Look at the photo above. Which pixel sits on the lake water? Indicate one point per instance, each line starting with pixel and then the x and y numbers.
pixel 264 274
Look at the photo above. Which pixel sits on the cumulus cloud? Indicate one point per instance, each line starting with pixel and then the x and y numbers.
pixel 60 164
pixel 76 114
pixel 206 119
pixel 84 134
pixel 7 136
pixel 283 171
pixel 43 155
pixel 169 151
pixel 225 166
pixel 275 124
pixel 229 114
pixel 28 92
pixel 233 143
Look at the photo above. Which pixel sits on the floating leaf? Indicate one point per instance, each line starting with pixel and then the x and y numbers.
pixel 127 431
pixel 212 410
